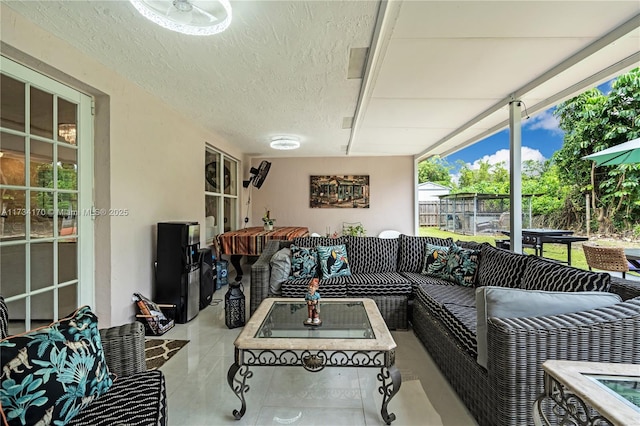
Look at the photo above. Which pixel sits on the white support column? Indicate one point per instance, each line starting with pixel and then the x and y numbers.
pixel 515 175
pixel 416 201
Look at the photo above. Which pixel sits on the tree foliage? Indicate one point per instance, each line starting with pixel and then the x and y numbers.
pixel 593 121
pixel 486 179
pixel 538 178
pixel 436 170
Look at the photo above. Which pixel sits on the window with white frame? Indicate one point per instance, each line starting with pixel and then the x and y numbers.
pixel 220 193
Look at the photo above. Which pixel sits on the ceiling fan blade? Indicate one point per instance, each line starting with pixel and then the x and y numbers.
pixel 205 15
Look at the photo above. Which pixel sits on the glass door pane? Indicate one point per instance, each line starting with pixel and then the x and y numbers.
pixel 18 317
pixel 12 166
pixel 41 168
pixel 41 113
pixel 41 265
pixel 12 110
pixel 67 121
pixel 13 261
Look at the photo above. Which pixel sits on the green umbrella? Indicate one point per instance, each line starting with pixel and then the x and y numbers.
pixel 625 153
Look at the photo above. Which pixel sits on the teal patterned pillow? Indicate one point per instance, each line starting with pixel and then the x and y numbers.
pixel 462 265
pixel 435 261
pixel 304 262
pixel 333 261
pixel 51 373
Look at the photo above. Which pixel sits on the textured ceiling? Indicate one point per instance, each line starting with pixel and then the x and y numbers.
pixel 438 78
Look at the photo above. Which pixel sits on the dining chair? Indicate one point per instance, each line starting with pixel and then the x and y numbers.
pixel 389 233
pixel 606 258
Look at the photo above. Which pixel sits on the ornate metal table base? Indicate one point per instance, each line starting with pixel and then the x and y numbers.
pixel 391 381
pixel 389 375
pixel 239 385
pixel 569 408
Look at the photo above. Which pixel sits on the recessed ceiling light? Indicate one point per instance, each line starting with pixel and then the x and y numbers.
pixel 285 143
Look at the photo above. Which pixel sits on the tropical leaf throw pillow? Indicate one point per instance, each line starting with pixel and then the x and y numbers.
pixel 435 261
pixel 304 262
pixel 462 265
pixel 333 261
pixel 51 373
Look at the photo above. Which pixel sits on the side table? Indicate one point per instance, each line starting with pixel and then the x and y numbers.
pixel 589 393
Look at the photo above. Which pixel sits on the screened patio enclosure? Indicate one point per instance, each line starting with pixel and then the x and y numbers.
pixel 473 214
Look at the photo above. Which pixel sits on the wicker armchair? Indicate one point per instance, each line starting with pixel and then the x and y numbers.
pixel 606 258
pixel 137 396
pixel 123 348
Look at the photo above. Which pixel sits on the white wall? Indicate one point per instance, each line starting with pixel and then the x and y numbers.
pixel 154 164
pixel 285 193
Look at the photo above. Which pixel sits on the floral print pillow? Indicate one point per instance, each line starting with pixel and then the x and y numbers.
pixel 304 262
pixel 51 373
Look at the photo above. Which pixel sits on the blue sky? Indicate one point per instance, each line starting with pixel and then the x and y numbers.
pixel 541 137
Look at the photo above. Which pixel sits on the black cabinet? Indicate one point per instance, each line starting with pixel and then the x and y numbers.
pixel 178 270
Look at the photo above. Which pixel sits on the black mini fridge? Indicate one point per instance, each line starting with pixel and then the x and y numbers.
pixel 178 270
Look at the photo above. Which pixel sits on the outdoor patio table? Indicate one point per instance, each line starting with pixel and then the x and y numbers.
pixel 538 236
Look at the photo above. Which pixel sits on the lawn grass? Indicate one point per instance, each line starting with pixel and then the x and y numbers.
pixel 552 251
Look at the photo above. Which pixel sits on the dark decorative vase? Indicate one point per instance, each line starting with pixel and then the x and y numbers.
pixel 234 305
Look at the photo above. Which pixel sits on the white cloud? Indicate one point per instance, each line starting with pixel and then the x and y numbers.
pixel 545 120
pixel 502 156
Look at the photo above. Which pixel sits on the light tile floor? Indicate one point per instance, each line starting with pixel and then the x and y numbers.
pixel 198 392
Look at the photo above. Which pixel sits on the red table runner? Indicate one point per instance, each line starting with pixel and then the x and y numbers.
pixel 251 241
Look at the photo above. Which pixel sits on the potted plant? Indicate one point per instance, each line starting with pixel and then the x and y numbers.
pixel 267 220
pixel 355 230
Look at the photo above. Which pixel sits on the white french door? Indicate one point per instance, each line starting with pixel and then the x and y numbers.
pixel 46 185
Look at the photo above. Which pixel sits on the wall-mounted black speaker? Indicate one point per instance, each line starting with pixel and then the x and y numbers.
pixel 207 277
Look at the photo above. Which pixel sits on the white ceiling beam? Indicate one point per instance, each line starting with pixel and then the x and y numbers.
pixel 627 63
pixel 387 15
pixel 592 48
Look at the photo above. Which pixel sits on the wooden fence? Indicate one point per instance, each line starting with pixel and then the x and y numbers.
pixel 428 213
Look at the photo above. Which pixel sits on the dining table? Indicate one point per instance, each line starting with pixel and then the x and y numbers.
pixel 252 240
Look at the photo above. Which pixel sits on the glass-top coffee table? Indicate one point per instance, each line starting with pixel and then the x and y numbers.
pixel 352 334
pixel 577 388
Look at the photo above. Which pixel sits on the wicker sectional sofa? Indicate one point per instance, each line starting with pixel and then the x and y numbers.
pixel 444 317
pixel 374 274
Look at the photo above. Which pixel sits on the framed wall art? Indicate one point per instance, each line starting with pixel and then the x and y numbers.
pixel 339 192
